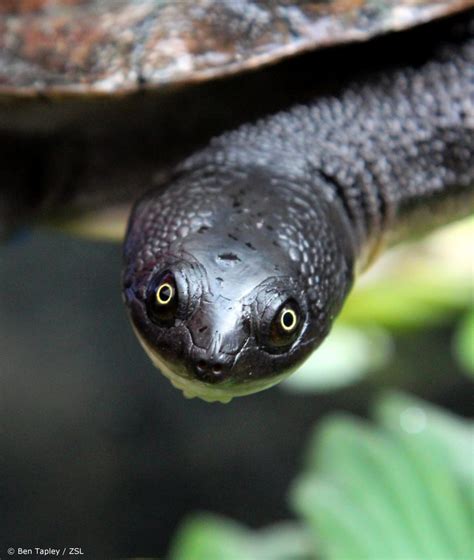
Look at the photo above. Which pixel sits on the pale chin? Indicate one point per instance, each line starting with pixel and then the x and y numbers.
pixel 192 388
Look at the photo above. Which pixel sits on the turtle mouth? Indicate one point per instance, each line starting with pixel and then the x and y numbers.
pixel 195 388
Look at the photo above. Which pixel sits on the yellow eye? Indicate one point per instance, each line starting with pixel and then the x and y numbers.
pixel 288 320
pixel 164 294
pixel 162 300
pixel 285 325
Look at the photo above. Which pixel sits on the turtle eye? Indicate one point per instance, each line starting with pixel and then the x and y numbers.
pixel 162 301
pixel 285 325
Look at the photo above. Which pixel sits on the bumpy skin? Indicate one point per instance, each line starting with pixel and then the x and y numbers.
pixel 286 209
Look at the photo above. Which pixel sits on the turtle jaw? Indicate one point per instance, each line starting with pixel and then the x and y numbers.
pixel 192 388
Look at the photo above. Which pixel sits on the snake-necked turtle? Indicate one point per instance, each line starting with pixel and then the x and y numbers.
pixel 265 170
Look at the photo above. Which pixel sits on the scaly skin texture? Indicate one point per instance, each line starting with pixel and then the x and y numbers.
pixel 285 209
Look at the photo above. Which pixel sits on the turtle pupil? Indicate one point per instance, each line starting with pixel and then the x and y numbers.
pixel 164 294
pixel 288 319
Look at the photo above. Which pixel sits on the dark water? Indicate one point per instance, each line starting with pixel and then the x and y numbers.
pixel 97 450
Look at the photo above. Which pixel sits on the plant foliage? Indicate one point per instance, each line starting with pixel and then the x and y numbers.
pixel 401 488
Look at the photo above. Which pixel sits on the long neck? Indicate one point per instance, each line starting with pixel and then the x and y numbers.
pixel 395 152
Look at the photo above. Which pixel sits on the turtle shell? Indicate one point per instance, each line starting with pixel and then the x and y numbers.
pixel 77 47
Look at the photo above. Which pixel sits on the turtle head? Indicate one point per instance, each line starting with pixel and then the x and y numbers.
pixel 215 296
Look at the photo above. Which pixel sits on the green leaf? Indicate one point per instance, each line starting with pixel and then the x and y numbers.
pixel 443 449
pixel 464 344
pixel 284 541
pixel 208 537
pixel 399 490
pixel 336 520
pixel 396 491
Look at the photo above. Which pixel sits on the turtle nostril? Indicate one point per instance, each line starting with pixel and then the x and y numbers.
pixel 212 368
pixel 202 366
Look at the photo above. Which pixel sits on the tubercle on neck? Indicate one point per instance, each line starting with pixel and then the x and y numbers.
pixel 364 241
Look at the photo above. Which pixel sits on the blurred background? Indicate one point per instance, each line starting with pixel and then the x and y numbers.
pixel 98 451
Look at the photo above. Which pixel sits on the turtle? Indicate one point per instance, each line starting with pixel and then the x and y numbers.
pixel 255 156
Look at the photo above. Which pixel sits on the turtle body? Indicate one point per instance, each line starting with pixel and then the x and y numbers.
pixel 270 149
